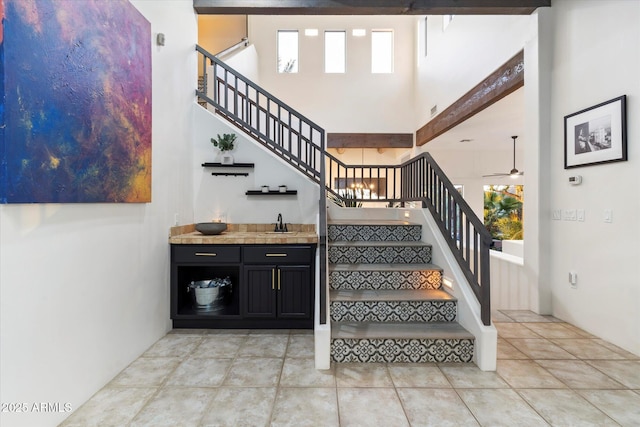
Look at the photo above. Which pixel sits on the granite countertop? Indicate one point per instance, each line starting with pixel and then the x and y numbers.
pixel 240 234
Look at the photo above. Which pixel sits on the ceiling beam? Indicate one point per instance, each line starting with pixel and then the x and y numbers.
pixel 369 140
pixel 502 82
pixel 368 7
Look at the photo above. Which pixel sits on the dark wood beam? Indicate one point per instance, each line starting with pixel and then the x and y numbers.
pixel 505 80
pixel 369 140
pixel 369 7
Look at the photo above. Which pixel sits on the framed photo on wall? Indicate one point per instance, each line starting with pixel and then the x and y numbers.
pixel 596 134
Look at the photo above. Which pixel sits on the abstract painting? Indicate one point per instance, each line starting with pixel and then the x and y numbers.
pixel 75 112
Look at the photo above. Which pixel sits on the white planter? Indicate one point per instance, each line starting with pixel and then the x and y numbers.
pixel 226 158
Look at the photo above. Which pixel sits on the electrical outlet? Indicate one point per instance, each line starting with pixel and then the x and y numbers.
pixel 176 219
pixel 556 214
pixel 608 215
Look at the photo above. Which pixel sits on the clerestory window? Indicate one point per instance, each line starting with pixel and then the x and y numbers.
pixel 287 51
pixel 335 51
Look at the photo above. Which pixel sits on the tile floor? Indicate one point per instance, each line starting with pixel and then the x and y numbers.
pixel 549 373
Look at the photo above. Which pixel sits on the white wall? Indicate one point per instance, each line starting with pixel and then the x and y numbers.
pixel 85 287
pixel 245 61
pixel 457 59
pixel 460 57
pixel 220 194
pixel 356 101
pixel 596 58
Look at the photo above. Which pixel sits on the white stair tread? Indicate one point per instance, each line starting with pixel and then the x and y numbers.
pixel 400 330
pixel 378 243
pixel 390 295
pixel 372 222
pixel 383 267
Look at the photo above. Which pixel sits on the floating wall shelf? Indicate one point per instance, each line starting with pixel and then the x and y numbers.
pixel 229 174
pixel 234 165
pixel 271 193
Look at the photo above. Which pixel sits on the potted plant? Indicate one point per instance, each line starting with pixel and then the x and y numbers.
pixel 224 143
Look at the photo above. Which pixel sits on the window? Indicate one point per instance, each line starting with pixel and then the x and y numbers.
pixel 503 208
pixel 287 51
pixel 381 51
pixel 335 50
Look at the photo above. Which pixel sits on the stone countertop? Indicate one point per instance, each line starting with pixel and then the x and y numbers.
pixel 242 234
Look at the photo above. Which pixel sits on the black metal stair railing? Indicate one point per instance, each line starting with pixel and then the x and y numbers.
pixel 467 237
pixel 421 180
pixel 301 143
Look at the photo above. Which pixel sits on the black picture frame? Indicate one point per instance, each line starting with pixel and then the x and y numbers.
pixel 596 135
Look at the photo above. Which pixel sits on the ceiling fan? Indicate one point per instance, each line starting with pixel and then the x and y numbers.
pixel 513 173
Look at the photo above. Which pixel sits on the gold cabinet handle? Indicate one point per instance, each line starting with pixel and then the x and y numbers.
pixel 278 279
pixel 273 278
pixel 278 255
pixel 206 254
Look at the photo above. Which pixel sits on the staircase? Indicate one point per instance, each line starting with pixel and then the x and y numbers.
pixel 386 299
pixel 386 303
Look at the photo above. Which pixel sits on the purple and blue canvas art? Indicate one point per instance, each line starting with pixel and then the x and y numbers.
pixel 75 112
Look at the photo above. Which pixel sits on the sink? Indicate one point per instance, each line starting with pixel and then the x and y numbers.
pixel 211 228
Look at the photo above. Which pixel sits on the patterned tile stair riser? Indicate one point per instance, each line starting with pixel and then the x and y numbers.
pixel 393 311
pixel 380 254
pixel 401 350
pixel 389 233
pixel 380 280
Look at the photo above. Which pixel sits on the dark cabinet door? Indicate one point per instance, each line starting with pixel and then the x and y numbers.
pixel 293 284
pixel 260 291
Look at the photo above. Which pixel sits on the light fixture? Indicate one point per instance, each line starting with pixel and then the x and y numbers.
pixel 359 32
pixel 311 32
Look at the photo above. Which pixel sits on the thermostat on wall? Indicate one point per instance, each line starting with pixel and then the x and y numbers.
pixel 575 180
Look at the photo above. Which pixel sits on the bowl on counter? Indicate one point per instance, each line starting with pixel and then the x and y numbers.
pixel 211 228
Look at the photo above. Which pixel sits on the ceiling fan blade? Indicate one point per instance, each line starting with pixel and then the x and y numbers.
pixel 514 172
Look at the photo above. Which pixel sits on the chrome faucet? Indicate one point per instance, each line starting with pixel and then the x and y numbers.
pixel 280 227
